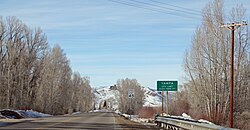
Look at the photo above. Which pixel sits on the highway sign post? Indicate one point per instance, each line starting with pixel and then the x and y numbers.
pixel 131 95
pixel 166 86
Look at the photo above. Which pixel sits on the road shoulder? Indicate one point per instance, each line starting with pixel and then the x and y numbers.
pixel 126 124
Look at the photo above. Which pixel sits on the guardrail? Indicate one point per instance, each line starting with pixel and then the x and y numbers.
pixel 180 124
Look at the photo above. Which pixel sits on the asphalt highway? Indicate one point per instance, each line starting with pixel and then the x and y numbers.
pixel 88 121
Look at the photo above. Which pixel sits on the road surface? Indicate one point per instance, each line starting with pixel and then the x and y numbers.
pixel 88 121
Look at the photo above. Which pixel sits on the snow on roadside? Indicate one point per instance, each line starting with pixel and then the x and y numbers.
pixel 18 114
pixel 149 121
pixel 188 118
pixel 32 114
pixel 143 120
pixel 76 113
pixel 2 117
pixel 205 121
pixel 95 111
pixel 126 116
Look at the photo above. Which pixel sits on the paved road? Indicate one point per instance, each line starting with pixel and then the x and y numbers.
pixel 88 121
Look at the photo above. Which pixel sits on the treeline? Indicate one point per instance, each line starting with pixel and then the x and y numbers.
pixel 35 76
pixel 207 64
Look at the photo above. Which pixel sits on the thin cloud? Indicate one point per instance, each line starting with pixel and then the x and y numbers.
pixel 107 41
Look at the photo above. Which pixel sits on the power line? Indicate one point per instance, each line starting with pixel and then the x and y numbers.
pixel 163 7
pixel 130 4
pixel 187 9
pixel 150 8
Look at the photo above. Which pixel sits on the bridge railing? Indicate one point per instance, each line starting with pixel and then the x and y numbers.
pixel 180 124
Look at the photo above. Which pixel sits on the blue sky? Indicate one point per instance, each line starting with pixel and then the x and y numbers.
pixel 107 41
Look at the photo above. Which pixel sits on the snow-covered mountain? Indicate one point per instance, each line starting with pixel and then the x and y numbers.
pixel 106 94
pixel 152 97
pixel 110 95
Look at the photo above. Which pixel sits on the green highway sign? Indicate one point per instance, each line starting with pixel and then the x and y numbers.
pixel 167 85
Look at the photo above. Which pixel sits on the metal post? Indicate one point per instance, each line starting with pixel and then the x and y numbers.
pixel 167 103
pixel 162 108
pixel 130 111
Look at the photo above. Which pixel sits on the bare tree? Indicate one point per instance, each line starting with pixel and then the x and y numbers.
pixel 126 104
pixel 207 64
pixel 33 76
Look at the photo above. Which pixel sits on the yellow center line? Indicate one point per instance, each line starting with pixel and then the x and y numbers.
pixel 71 119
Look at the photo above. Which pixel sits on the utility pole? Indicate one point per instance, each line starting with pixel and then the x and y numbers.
pixel 232 27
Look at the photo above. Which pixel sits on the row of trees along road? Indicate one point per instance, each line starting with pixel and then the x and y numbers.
pixel 35 76
pixel 207 65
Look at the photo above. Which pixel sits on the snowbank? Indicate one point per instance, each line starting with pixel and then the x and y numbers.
pixel 187 118
pixel 76 113
pixel 10 114
pixel 183 117
pixel 143 120
pixel 205 121
pixel 2 117
pixel 32 114
pixel 18 114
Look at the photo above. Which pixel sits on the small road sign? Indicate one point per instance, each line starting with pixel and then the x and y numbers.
pixel 131 93
pixel 167 85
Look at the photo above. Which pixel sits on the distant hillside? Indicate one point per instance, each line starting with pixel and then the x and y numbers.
pixel 111 96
